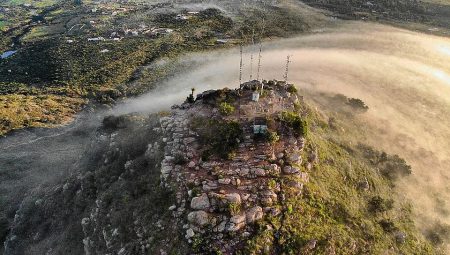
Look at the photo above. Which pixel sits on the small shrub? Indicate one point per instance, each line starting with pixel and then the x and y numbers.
pixel 197 244
pixel 290 209
pixel 234 208
pixel 388 225
pixel 226 108
pixel 179 159
pixel 206 154
pixel 220 137
pixel 291 89
pixel 231 155
pixel 114 122
pixel 391 166
pixel 272 184
pixel 357 104
pixel 378 204
pixel 196 191
pixel 190 99
pixel 438 234
pixel 272 137
pixel 293 120
pixel 394 167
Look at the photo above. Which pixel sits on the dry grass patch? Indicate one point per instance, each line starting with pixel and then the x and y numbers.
pixel 19 111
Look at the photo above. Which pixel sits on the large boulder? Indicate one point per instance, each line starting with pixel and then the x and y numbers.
pixel 258 171
pixel 199 218
pixel 234 198
pixel 221 226
pixel 294 158
pixel 237 218
pixel 210 185
pixel 244 172
pixel 290 170
pixel 268 197
pixel 236 222
pixel 189 233
pixel 201 202
pixel 224 181
pixel 254 214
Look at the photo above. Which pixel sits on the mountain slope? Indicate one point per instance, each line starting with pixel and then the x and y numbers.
pixel 197 179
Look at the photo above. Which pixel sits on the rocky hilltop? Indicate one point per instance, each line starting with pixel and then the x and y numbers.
pixel 225 184
pixel 253 170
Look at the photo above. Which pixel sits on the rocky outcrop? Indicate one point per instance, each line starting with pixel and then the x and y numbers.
pixel 199 218
pixel 200 203
pixel 227 195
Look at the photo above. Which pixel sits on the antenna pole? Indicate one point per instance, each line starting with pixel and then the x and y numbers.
pixel 240 68
pixel 259 61
pixel 251 54
pixel 287 68
pixel 260 50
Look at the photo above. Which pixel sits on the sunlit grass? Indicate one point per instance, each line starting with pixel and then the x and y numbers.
pixel 42 3
pixel 18 111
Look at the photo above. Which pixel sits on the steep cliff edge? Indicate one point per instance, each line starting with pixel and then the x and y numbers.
pixel 253 170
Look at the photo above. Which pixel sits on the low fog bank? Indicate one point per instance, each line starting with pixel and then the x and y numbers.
pixel 404 78
pixel 32 158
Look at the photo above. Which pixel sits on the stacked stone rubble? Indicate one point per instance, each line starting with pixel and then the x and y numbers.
pixel 227 197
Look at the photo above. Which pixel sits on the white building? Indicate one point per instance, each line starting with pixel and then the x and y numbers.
pixel 255 96
pixel 96 39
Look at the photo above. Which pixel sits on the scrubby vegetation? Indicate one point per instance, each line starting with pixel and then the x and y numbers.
pixel 190 99
pixel 378 204
pixel 390 166
pixel 399 9
pixel 76 67
pixel 275 21
pixel 291 89
pixel 293 120
pixel 54 51
pixel 116 187
pixel 272 137
pixel 220 137
pixel 226 108
pixel 43 110
pixel 438 233
pixel 349 104
pixel 112 123
pixel 358 104
pixel 347 206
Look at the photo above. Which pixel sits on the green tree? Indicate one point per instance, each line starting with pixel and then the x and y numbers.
pixel 190 99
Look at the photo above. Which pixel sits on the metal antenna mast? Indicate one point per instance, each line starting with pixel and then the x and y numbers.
pixel 259 61
pixel 287 68
pixel 240 83
pixel 240 68
pixel 251 54
pixel 260 50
